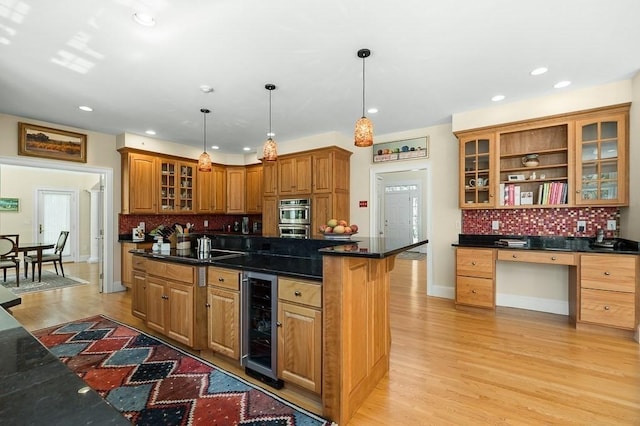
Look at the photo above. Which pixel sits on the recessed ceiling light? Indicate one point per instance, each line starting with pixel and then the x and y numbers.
pixel 144 19
pixel 246 148
pixel 372 110
pixel 206 89
pixel 498 98
pixel 539 71
pixel 215 147
pixel 561 84
pixel 85 108
pixel 150 132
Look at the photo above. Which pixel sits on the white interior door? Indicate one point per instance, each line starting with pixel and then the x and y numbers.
pixel 398 215
pixel 57 211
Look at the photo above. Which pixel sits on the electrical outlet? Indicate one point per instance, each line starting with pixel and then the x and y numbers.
pixel 495 225
pixel 582 226
pixel 141 226
pixel 612 225
pixel 206 223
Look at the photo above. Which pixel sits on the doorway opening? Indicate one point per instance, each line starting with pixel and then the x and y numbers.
pixel 401 206
pixel 25 222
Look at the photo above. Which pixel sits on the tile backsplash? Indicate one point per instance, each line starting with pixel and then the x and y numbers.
pixel 554 221
pixel 216 222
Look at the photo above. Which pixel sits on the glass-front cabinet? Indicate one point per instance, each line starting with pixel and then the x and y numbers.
pixel 177 186
pixel 601 156
pixel 475 171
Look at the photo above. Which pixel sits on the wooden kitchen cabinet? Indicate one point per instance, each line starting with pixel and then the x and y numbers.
pixel 270 178
pixel 300 333
pixel 139 288
pixel 327 206
pixel 476 277
pixel 223 311
pixel 176 304
pixel 608 290
pixel 270 216
pixel 177 186
pixel 254 189
pixel 211 192
pixel 331 170
pixel 139 183
pixel 236 190
pixel 294 175
pixel 581 159
pixel 602 152
pixel 477 171
pixel 127 260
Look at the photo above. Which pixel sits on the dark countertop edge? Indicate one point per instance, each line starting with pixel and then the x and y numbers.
pixel 278 272
pixel 343 250
pixel 489 241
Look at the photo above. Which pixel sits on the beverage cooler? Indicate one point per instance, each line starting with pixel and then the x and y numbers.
pixel 259 326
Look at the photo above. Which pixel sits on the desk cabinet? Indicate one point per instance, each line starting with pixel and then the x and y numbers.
pixel 223 311
pixel 475 277
pixel 608 289
pixel 139 288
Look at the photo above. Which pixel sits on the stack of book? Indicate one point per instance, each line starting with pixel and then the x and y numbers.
pixel 511 242
pixel 553 193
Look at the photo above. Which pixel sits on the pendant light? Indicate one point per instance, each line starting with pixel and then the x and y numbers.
pixel 204 161
pixel 363 135
pixel 270 151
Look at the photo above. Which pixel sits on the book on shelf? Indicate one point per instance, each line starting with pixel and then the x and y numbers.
pixel 526 198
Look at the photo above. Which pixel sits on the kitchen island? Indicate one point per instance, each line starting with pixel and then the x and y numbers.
pixel 355 279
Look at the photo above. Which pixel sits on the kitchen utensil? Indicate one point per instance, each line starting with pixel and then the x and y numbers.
pixel 204 245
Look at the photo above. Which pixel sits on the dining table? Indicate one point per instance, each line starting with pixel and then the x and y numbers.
pixel 38 248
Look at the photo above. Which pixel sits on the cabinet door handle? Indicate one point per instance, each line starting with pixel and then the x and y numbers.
pixel 473 263
pixel 553 258
pixel 606 308
pixel 165 297
pixel 473 291
pixel 206 305
pixel 221 279
pixel 607 273
pixel 515 256
pixel 278 324
pixel 297 293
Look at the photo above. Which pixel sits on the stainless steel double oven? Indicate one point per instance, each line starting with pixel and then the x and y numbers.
pixel 294 218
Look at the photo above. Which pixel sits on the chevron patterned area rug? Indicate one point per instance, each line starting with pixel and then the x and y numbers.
pixel 154 383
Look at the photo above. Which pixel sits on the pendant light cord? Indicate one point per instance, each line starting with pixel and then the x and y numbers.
pixel 363 82
pixel 270 113
pixel 204 143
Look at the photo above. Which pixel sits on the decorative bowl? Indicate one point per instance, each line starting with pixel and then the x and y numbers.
pixel 530 160
pixel 333 236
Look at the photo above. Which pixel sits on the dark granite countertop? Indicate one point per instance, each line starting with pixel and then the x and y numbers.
pixel 282 256
pixel 38 389
pixel 552 243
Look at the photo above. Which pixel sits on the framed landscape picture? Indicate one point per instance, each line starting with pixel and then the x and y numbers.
pixel 45 142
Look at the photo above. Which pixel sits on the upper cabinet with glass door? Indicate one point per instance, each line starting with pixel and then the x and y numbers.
pixel 475 171
pixel 601 160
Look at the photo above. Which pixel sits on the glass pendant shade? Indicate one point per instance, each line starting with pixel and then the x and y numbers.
pixel 363 135
pixel 270 152
pixel 204 162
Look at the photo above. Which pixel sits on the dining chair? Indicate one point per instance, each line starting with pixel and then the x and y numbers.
pixel 9 255
pixel 55 257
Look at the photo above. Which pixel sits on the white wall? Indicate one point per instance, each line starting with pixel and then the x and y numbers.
pixel 629 222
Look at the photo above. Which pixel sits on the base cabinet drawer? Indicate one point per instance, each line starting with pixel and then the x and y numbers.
pixel 474 262
pixel 610 308
pixel 616 273
pixel 474 291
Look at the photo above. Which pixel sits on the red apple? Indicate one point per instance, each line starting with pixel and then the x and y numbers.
pixel 328 230
pixel 342 222
pixel 347 230
pixel 354 227
pixel 323 228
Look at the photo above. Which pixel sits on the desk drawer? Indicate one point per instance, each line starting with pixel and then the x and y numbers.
pixel 303 292
pixel 473 262
pixel 608 272
pixel 537 257
pixel 139 263
pixel 227 278
pixel 607 307
pixel 475 291
pixel 171 271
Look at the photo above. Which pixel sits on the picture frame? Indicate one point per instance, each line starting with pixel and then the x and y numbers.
pixel 9 205
pixel 406 149
pixel 47 142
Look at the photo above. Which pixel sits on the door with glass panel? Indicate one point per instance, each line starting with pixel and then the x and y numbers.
pixel 601 155
pixel 57 211
pixel 476 187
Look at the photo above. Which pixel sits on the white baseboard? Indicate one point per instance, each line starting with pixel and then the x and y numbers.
pixel 553 306
pixel 443 291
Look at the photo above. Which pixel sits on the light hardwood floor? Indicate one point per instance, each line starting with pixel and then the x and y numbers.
pixel 448 366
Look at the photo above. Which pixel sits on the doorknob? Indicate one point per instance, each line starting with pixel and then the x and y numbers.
pixel 40 228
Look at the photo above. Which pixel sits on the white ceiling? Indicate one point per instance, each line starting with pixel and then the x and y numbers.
pixel 429 60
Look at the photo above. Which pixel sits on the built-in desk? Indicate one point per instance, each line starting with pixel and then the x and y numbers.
pixel 602 283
